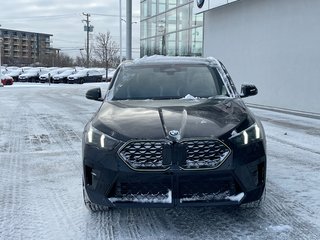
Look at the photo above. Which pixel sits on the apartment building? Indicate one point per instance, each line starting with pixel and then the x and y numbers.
pixel 20 47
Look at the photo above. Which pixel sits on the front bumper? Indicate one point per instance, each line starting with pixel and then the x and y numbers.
pixel 109 181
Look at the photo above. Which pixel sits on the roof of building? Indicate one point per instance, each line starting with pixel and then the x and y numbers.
pixel 20 31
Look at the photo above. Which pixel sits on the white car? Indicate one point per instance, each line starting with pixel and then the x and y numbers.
pixel 49 75
pixel 63 77
pixel 32 75
pixel 15 73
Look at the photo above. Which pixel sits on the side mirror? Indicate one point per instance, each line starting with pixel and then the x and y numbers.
pixel 94 94
pixel 87 74
pixel 248 90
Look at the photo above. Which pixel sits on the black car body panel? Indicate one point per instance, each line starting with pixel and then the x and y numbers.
pixel 174 152
pixel 203 118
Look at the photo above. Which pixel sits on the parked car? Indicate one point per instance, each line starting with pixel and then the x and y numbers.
pixel 111 72
pixel 32 75
pixel 3 70
pixel 15 73
pixel 43 78
pixel 63 77
pixel 173 131
pixel 11 68
pixel 85 75
pixel 6 80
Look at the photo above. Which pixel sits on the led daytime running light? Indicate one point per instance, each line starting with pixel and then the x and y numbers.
pixel 102 140
pixel 90 135
pixel 245 138
pixel 257 130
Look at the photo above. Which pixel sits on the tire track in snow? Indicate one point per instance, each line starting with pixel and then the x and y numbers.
pixel 130 218
pixel 282 208
pixel 279 140
pixel 13 173
pixel 55 200
pixel 18 194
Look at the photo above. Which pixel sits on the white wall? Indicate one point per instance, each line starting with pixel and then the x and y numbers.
pixel 274 44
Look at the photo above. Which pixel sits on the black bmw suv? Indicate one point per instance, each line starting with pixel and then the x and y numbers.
pixel 172 131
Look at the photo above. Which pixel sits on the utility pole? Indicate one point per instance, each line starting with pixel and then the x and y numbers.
pixel 129 29
pixel 88 28
pixel 120 22
pixel 0 56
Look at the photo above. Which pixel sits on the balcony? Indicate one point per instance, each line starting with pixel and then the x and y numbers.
pixel 6 47
pixel 24 43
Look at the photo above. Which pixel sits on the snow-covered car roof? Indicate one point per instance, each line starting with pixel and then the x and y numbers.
pixel 159 59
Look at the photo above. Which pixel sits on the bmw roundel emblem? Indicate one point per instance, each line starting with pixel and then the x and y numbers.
pixel 173 133
pixel 200 3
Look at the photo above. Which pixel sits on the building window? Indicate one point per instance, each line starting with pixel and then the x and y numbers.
pixel 183 45
pixel 169 27
pixel 171 21
pixel 162 6
pixel 196 44
pixel 153 7
pixel 172 4
pixel 143 29
pixel 183 17
pixel 144 9
pixel 171 44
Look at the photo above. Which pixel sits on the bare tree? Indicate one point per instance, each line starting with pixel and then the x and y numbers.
pixel 106 50
pixel 64 60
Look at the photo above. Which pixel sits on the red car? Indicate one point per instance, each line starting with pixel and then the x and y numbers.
pixel 6 80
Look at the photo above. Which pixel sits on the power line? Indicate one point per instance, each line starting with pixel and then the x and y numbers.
pixel 37 17
pixel 112 15
pixel 62 40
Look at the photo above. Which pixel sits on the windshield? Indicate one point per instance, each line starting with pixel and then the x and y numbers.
pixel 170 81
pixel 82 72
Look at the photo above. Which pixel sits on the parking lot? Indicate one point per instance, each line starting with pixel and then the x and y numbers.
pixel 40 178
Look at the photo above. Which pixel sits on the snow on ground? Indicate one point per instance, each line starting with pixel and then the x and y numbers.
pixel 40 178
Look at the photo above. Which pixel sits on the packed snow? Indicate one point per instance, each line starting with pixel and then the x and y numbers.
pixel 41 188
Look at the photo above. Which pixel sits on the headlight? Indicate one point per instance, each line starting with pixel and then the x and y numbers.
pixel 247 136
pixel 95 137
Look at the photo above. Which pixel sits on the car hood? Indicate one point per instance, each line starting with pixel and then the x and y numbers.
pixel 76 75
pixel 155 119
pixel 29 74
